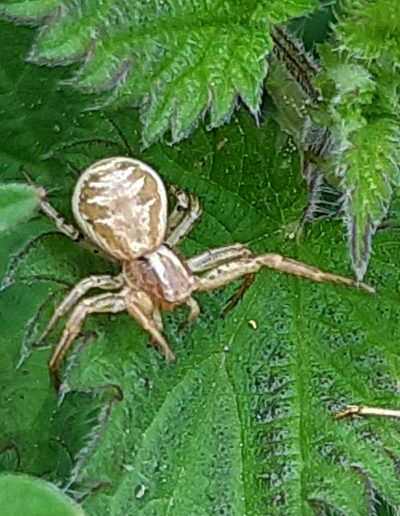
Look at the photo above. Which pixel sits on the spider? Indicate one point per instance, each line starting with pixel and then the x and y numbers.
pixel 121 206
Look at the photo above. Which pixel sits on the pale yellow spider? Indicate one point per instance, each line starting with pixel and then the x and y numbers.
pixel 121 206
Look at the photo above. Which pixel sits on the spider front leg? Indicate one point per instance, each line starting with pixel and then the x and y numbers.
pixel 157 319
pixel 183 217
pixel 140 307
pixel 104 303
pixel 228 272
pixel 194 312
pixel 153 316
pixel 103 282
pixel 218 256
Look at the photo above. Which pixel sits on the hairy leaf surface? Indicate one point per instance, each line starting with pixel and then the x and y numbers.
pixel 242 424
pixel 361 88
pixel 378 26
pixel 370 167
pixel 178 60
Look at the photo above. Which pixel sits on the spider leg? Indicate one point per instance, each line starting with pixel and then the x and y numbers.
pixel 110 302
pixel 214 257
pixel 158 319
pixel 140 307
pixel 183 217
pixel 180 208
pixel 194 312
pixel 105 282
pixel 236 298
pixel 236 269
pixel 67 229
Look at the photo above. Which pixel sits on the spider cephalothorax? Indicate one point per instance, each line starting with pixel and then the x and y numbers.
pixel 121 206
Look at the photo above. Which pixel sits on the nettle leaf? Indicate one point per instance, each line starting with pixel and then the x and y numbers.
pixel 29 12
pixel 329 106
pixel 289 84
pixel 378 26
pixel 35 113
pixel 361 109
pixel 243 422
pixel 370 168
pixel 178 60
pixel 342 78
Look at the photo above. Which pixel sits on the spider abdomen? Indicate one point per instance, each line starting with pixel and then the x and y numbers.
pixel 163 275
pixel 121 205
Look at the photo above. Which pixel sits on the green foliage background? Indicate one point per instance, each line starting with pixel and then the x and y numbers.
pixel 242 424
pixel 19 492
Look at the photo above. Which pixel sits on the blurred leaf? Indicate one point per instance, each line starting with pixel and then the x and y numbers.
pixel 21 495
pixel 17 203
pixel 315 27
pixel 378 26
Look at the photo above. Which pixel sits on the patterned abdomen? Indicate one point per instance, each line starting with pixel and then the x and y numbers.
pixel 121 205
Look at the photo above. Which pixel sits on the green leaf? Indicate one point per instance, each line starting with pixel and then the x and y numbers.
pixel 346 79
pixel 343 117
pixel 378 26
pixel 36 113
pixel 18 202
pixel 372 155
pixel 289 84
pixel 178 60
pixel 361 111
pixel 245 414
pixel 21 495
pixel 370 167
pixel 243 422
pixel 29 11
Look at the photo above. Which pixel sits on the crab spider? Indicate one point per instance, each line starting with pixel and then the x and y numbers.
pixel 121 206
